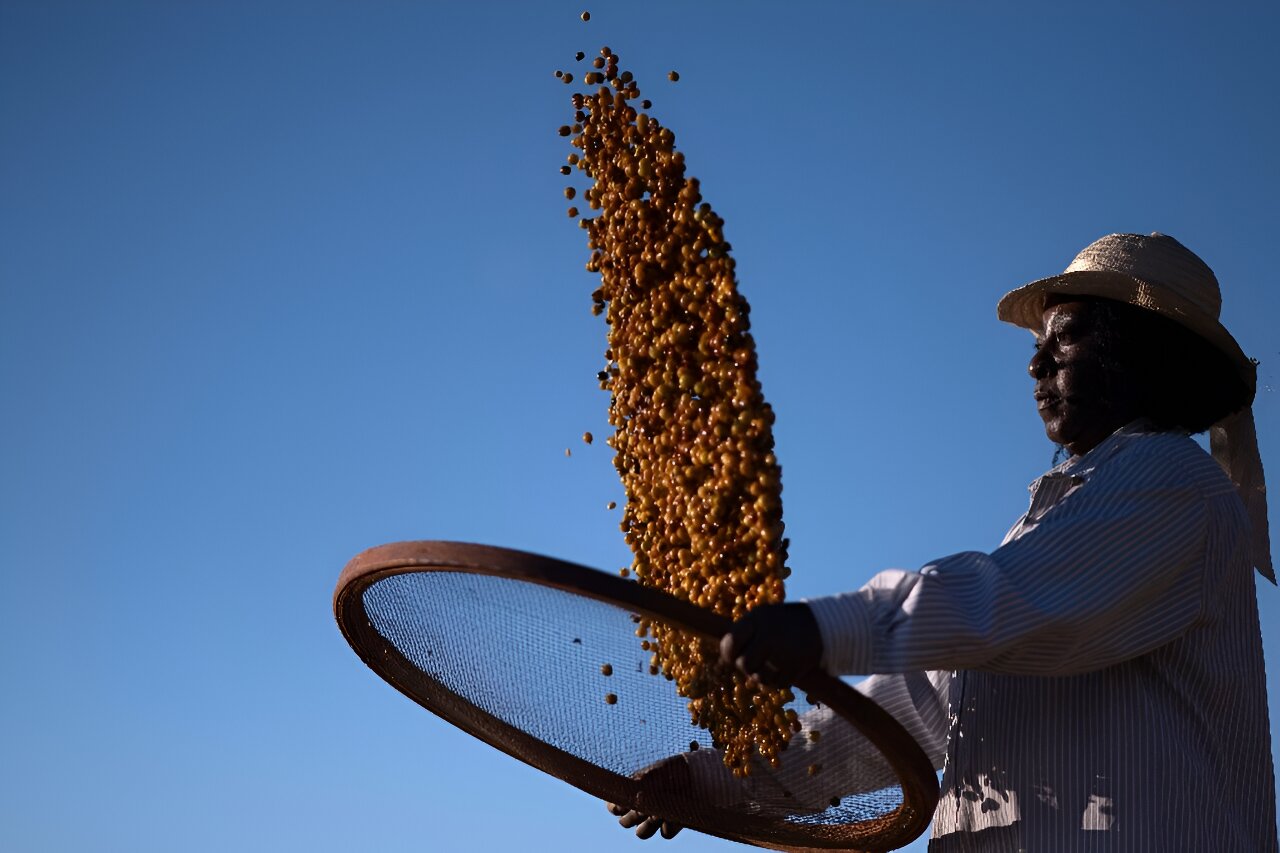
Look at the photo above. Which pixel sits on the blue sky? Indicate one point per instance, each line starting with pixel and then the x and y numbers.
pixel 282 281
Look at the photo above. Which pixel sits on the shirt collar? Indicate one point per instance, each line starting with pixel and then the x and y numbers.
pixel 1082 465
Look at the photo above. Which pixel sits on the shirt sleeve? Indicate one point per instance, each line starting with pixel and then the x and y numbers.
pixel 828 757
pixel 1112 571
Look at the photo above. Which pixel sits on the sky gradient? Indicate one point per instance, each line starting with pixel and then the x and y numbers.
pixel 280 281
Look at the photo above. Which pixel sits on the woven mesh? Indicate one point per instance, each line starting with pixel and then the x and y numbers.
pixel 531 656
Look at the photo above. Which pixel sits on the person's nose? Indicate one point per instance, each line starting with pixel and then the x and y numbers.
pixel 1040 364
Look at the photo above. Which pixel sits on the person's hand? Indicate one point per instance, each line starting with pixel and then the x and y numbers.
pixel 663 781
pixel 774 643
pixel 645 825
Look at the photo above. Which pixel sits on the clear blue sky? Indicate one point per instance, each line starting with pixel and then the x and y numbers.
pixel 283 281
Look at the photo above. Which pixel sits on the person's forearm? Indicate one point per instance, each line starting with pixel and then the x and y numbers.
pixel 828 758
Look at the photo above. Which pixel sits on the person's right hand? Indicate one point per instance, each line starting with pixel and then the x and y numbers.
pixel 774 643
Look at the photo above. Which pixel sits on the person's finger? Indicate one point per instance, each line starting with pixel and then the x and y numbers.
pixel 728 648
pixel 670 829
pixel 772 676
pixel 616 810
pixel 752 661
pixel 648 827
pixel 632 818
pixel 738 639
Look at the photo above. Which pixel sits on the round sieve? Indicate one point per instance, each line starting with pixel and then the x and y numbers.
pixel 539 658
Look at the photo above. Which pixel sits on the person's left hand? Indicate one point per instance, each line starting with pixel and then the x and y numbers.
pixel 659 782
pixel 774 643
pixel 645 825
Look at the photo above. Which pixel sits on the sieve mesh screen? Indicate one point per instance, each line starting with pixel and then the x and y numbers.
pixel 532 657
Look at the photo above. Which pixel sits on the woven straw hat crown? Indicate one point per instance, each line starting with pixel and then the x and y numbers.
pixel 1152 271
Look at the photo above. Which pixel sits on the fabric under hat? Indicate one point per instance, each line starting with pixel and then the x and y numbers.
pixel 1158 273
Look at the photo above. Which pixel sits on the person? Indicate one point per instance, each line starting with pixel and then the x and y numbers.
pixel 1096 683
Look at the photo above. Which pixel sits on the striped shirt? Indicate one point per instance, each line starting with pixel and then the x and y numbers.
pixel 1094 684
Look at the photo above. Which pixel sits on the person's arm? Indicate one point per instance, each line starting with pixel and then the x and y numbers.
pixel 918 701
pixel 1111 572
pixel 845 762
pixel 828 757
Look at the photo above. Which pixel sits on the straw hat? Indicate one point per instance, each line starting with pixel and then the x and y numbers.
pixel 1155 272
pixel 1160 274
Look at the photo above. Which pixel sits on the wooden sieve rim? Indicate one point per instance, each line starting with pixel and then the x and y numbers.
pixel 916 775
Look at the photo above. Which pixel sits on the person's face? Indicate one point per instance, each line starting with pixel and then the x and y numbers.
pixel 1080 397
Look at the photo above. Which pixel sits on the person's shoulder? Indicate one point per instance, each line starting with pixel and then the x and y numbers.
pixel 1170 458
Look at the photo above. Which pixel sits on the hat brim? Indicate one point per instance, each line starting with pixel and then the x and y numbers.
pixel 1024 307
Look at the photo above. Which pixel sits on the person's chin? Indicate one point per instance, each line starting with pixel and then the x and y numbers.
pixel 1058 432
pixel 1052 418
